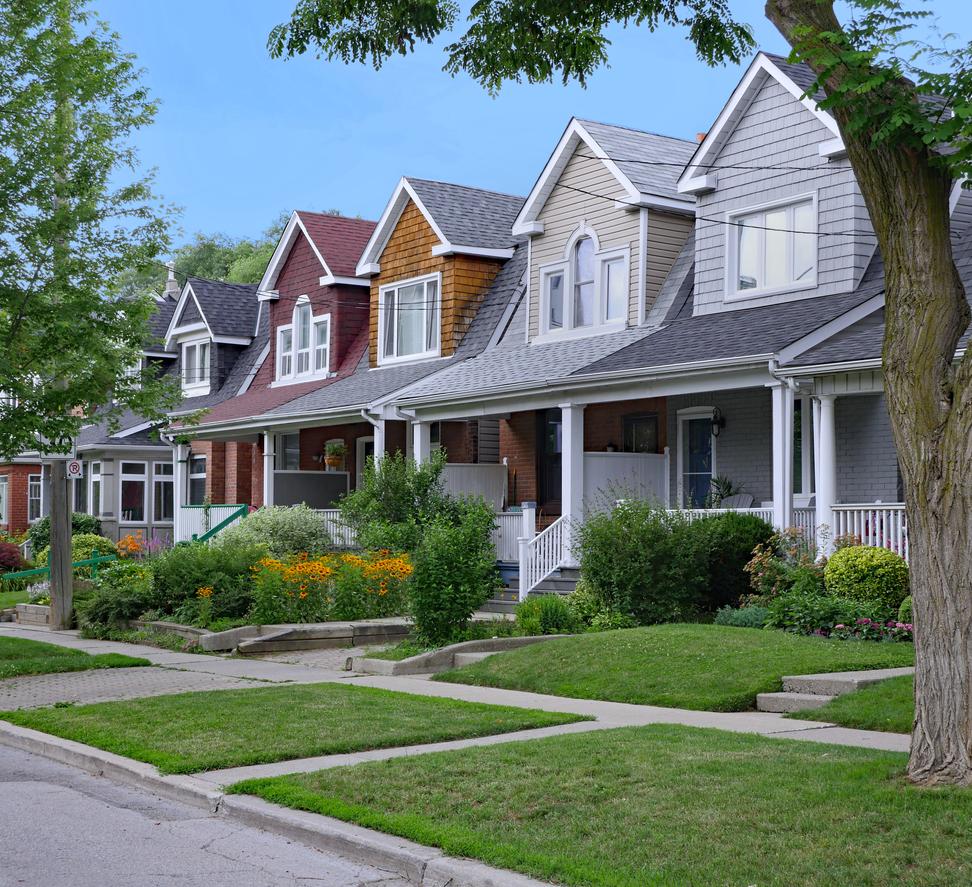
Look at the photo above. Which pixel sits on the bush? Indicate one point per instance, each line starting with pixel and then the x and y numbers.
pixel 39 533
pixel 83 547
pixel 345 587
pixel 11 560
pixel 728 541
pixel 904 611
pixel 876 577
pixel 284 530
pixel 181 572
pixel 123 591
pixel 396 502
pixel 546 614
pixel 777 564
pixel 808 612
pixel 455 571
pixel 742 617
pixel 643 561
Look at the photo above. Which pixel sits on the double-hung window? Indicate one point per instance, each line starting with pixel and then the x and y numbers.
pixel 163 501
pixel 773 249
pixel 195 364
pixel 133 496
pixel 35 486
pixel 4 506
pixel 408 319
pixel 587 290
pixel 95 496
pixel 304 345
pixel 197 480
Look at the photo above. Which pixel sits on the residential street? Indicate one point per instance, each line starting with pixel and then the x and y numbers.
pixel 65 828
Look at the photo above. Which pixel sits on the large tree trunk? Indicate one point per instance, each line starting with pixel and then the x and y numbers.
pixel 929 397
pixel 62 588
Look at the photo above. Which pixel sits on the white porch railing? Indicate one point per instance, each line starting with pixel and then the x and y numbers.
pixel 884 526
pixel 542 555
pixel 341 534
pixel 508 526
pixel 194 520
pixel 695 513
pixel 805 519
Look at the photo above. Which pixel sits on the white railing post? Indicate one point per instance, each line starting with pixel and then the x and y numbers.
pixel 572 475
pixel 528 532
pixel 179 457
pixel 826 468
pixel 269 464
pixel 782 455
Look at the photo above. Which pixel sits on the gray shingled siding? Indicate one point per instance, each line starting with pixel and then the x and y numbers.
pixel 777 130
pixel 565 209
pixel 744 448
pixel 867 462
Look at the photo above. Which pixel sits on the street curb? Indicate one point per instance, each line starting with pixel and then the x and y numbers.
pixel 419 865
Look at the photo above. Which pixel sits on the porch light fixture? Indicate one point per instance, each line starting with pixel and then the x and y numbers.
pixel 718 422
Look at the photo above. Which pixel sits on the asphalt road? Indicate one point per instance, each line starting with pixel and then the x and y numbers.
pixel 60 827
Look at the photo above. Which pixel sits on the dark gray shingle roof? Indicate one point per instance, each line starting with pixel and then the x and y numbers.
pixel 230 308
pixel 651 162
pixel 469 216
pixel 159 323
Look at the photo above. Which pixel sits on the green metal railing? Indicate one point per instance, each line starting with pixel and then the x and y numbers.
pixel 40 571
pixel 240 513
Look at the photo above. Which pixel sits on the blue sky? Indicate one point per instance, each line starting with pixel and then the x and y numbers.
pixel 241 137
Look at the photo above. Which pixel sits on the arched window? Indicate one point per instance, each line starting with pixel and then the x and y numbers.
pixel 584 282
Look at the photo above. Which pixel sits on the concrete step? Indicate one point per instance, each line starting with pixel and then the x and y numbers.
pixel 787 702
pixel 498 606
pixel 839 683
pixel 461 659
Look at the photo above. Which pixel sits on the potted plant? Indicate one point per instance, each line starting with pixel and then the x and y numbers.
pixel 334 451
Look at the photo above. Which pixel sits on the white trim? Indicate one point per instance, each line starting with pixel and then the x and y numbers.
pixel 359 457
pixel 383 318
pixel 163 354
pixel 754 78
pixel 92 478
pixel 282 250
pixel 135 429
pixel 369 269
pixel 699 184
pixel 643 222
pixel 122 477
pixel 232 340
pixel 39 499
pixel 530 229
pixel 251 373
pixel 332 280
pixel 259 317
pixel 831 328
pixel 572 137
pixel 198 386
pixel 681 417
pixel 955 196
pixel 450 249
pixel 162 478
pixel 529 292
pixel 172 329
pixel 733 230
pixel 833 149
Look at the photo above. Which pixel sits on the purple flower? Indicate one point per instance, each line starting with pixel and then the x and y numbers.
pixel 840 625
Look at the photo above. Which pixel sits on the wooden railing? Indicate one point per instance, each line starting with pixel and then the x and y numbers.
pixel 543 555
pixel 885 526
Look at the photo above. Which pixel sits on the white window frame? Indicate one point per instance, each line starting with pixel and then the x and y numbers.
pixel 38 480
pixel 144 478
pixel 682 417
pixel 806 493
pixel 565 266
pixel 162 478
pixel 280 455
pixel 94 484
pixel 4 498
pixel 196 475
pixel 321 344
pixel 197 385
pixel 732 291
pixel 287 370
pixel 384 318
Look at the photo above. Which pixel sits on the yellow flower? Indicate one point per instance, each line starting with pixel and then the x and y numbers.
pixel 205 591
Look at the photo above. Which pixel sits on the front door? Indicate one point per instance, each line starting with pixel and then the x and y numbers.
pixel 549 458
pixel 696 461
pixel 363 450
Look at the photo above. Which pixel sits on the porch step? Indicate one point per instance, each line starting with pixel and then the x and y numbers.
pixel 840 682
pixel 787 702
pixel 562 581
pixel 495 605
pixel 461 659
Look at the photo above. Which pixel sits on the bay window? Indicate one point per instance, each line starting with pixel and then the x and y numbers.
pixel 303 346
pixel 133 484
pixel 773 249
pixel 408 319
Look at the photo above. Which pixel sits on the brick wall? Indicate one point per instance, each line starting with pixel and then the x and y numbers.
pixel 17 496
pixel 518 446
pixel 239 473
pixel 459 439
pixel 604 422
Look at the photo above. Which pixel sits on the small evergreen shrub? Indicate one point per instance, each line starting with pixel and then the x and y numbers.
pixel 285 530
pixel 904 611
pixel 39 533
pixel 546 614
pixel 727 542
pixel 10 558
pixel 454 571
pixel 742 617
pixel 875 577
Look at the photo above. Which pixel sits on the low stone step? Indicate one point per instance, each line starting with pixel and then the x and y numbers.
pixel 838 683
pixel 461 659
pixel 787 702
pixel 498 606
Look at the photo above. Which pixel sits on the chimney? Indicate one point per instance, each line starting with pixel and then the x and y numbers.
pixel 700 137
pixel 172 288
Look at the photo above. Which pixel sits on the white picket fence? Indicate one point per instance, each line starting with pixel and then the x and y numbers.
pixel 884 526
pixel 194 520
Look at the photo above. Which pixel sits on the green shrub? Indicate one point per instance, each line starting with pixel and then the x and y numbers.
pixel 876 577
pixel 742 617
pixel 396 501
pixel 546 614
pixel 643 561
pixel 83 548
pixel 608 620
pixel 183 571
pixel 39 533
pixel 808 612
pixel 284 530
pixel 728 541
pixel 454 571
pixel 904 611
pixel 777 564
pixel 122 591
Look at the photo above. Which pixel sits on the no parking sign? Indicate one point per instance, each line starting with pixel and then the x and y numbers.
pixel 74 469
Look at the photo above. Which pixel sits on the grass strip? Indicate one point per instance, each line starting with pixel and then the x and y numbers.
pixel 888 706
pixel 19 657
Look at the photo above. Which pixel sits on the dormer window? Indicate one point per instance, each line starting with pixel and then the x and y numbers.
pixel 195 366
pixel 773 249
pixel 303 346
pixel 408 319
pixel 597 283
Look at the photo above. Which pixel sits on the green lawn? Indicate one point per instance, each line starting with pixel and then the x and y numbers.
pixel 707 667
pixel 659 805
pixel 12 598
pixel 192 732
pixel 888 706
pixel 19 657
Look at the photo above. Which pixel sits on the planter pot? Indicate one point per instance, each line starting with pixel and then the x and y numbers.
pixel 333 462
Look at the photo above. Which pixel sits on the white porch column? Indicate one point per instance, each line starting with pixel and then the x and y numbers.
pixel 528 533
pixel 421 442
pixel 825 460
pixel 379 428
pixel 782 456
pixel 269 463
pixel 572 473
pixel 180 454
